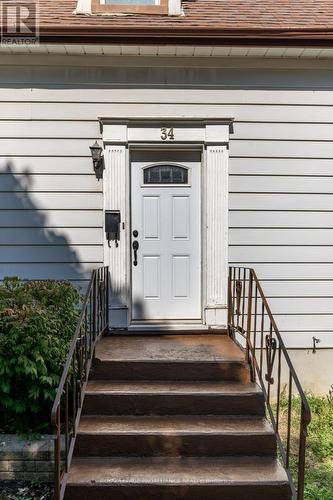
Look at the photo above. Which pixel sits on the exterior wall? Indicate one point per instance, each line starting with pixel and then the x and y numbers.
pixel 280 183
pixel 314 370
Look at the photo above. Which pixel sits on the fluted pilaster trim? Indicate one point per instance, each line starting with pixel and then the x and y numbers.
pixel 216 225
pixel 115 199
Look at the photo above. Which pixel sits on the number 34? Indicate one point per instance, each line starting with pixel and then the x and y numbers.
pixel 167 133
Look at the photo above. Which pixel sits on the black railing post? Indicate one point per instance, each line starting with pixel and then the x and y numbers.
pixel 301 456
pixel 229 303
pixel 95 295
pixel 249 317
pixel 107 291
pixel 57 457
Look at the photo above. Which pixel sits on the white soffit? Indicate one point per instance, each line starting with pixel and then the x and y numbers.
pixel 173 50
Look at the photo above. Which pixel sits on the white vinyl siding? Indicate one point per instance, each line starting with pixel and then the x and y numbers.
pixel 281 172
pixel 281 218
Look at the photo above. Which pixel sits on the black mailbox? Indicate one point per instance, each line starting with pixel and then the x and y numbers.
pixel 112 225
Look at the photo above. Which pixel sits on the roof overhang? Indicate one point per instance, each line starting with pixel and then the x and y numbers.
pixel 208 54
pixel 189 36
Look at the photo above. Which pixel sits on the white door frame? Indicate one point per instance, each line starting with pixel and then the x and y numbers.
pixel 192 190
pixel 212 136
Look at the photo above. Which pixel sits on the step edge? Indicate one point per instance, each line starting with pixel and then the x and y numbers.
pixel 109 484
pixel 173 361
pixel 226 461
pixel 171 393
pixel 175 433
pixel 223 418
pixel 159 382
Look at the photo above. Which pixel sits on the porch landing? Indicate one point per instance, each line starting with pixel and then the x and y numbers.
pixel 169 357
pixel 165 347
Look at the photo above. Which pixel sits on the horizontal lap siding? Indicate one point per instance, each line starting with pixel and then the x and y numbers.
pixel 58 236
pixel 73 219
pixel 89 111
pixel 40 271
pixel 278 254
pixel 51 201
pixel 281 219
pixel 281 181
pixel 51 253
pixel 51 218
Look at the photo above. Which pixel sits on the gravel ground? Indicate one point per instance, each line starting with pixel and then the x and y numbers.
pixel 25 491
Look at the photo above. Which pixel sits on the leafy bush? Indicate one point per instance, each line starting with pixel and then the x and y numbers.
pixel 26 490
pixel 37 321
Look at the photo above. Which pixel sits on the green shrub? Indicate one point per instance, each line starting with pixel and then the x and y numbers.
pixel 37 321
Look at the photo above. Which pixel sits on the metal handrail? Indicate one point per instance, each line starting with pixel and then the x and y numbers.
pixel 66 409
pixel 250 316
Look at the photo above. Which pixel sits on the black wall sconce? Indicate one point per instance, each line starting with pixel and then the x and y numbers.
pixel 98 159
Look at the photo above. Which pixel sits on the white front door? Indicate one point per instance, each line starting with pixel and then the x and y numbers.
pixel 166 235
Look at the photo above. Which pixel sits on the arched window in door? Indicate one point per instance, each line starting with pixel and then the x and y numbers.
pixel 165 174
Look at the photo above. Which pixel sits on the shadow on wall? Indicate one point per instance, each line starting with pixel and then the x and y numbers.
pixel 28 248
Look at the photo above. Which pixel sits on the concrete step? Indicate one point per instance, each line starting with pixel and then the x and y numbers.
pixel 105 397
pixel 229 478
pixel 170 357
pixel 175 370
pixel 103 436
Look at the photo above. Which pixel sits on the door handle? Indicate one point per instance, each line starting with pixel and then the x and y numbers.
pixel 135 246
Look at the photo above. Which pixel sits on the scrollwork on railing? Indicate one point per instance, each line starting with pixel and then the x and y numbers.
pixel 238 296
pixel 271 346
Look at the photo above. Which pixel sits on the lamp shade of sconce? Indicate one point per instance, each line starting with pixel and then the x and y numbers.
pixel 96 151
pixel 98 159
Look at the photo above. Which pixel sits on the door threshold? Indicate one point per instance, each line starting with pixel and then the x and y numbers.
pixel 179 327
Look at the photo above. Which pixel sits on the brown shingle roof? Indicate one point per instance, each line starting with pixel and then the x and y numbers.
pixel 205 20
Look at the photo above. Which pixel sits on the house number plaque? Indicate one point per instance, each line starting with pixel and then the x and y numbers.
pixel 167 134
